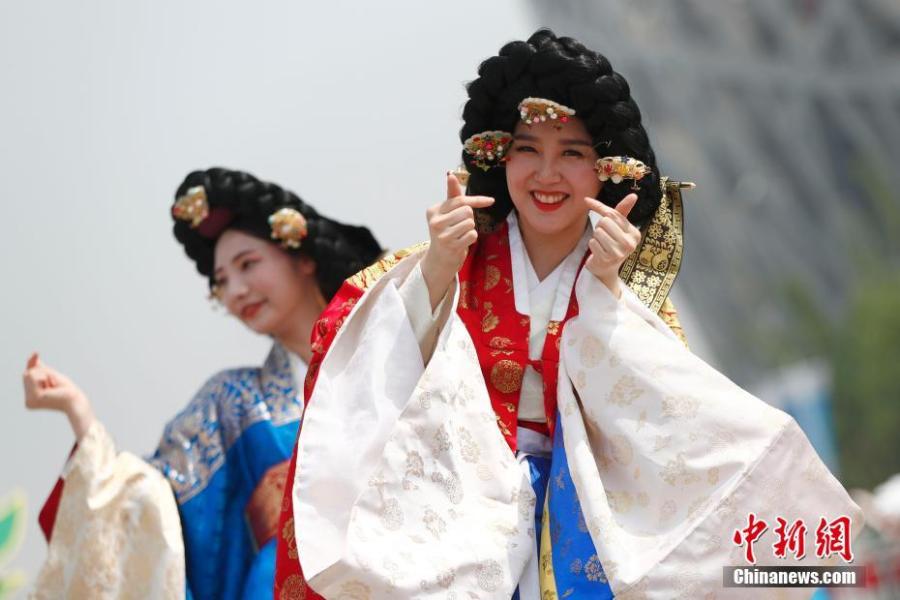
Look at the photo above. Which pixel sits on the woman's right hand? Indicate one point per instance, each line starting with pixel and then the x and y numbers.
pixel 451 227
pixel 46 388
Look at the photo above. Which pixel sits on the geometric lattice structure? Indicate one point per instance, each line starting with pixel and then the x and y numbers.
pixel 787 115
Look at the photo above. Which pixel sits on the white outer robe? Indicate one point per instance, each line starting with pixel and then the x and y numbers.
pixel 405 487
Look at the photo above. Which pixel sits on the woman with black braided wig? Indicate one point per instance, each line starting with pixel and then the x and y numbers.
pixel 545 433
pixel 273 262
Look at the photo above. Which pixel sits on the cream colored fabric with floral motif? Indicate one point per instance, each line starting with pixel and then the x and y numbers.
pixel 117 532
pixel 406 489
pixel 422 496
pixel 669 457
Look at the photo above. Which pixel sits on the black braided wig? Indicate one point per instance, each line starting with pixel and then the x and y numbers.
pixel 563 70
pixel 238 200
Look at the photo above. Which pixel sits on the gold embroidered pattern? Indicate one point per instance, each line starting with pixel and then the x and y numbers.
pixel 651 269
pixel 491 277
pixel 465 295
pixel 355 590
pixel 194 443
pixel 620 501
pixel 293 588
pixel 547 576
pixel 434 523
pixel 591 351
pixel 391 515
pixel 503 428
pixel 680 407
pixel 368 276
pixel 452 486
pixel 287 534
pixel 500 342
pixel 415 468
pixel 676 470
pixel 625 391
pixel 507 375
pixel 441 441
pixel 620 450
pixel 489 575
pixel 468 447
pixel 489 321
pixel 593 571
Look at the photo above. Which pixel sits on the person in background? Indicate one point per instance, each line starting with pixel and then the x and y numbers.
pixel 200 513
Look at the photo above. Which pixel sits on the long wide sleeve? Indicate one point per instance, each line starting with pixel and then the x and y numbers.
pixel 427 468
pixel 669 457
pixel 117 532
pixel 425 323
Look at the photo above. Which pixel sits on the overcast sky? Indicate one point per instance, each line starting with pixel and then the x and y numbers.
pixel 105 106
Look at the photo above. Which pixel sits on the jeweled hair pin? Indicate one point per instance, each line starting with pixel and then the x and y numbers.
pixel 192 206
pixel 288 226
pixel 619 168
pixel 540 110
pixel 488 148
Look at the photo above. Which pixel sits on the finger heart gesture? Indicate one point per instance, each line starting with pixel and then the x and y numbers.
pixel 614 239
pixel 451 227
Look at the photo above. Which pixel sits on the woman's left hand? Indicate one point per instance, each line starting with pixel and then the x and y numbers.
pixel 48 389
pixel 614 239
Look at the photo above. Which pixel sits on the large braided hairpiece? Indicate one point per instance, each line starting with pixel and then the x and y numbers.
pixel 238 200
pixel 563 70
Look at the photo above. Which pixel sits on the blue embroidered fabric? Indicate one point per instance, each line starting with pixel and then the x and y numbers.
pixel 241 423
pixel 576 566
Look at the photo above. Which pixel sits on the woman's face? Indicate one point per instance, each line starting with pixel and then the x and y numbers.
pixel 258 282
pixel 549 172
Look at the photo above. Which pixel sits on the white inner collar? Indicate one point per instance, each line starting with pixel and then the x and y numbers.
pixel 528 290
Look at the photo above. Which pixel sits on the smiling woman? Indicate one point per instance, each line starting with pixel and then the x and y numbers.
pixel 545 433
pixel 272 292
pixel 549 173
pixel 112 523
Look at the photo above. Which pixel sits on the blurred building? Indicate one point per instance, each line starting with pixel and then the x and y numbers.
pixel 787 115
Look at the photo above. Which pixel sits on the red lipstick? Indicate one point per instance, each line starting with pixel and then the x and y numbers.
pixel 249 311
pixel 548 206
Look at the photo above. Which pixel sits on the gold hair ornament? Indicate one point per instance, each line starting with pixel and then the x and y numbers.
pixel 618 168
pixel 488 148
pixel 192 206
pixel 540 110
pixel 289 226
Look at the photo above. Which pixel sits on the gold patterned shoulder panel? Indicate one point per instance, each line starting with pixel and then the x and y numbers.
pixel 367 277
pixel 651 269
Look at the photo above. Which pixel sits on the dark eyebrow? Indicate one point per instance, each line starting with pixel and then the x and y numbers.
pixel 241 255
pixel 524 137
pixel 235 258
